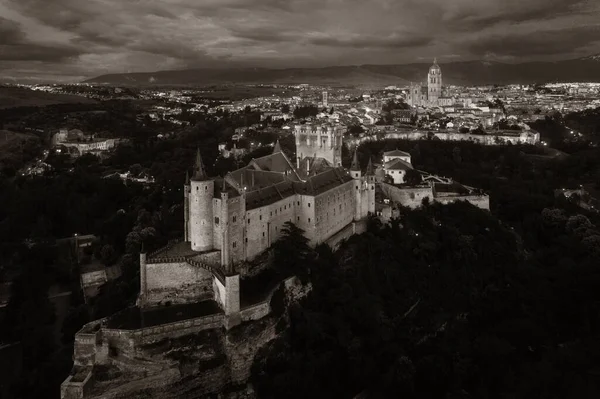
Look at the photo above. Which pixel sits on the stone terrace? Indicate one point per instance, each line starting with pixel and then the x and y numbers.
pixel 176 249
pixel 135 318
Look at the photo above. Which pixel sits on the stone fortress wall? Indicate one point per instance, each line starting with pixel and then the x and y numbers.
pixel 96 344
pixel 412 197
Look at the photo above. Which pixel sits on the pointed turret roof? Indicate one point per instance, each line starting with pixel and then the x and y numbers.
pixel 370 171
pixel 355 165
pixel 277 148
pixel 199 173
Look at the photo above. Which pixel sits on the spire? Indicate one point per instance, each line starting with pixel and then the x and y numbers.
pixel 199 173
pixel 370 168
pixel 187 178
pixel 355 165
pixel 277 148
pixel 435 61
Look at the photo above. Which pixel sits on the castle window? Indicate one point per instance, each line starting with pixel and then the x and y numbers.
pixel 271 213
pixel 248 220
pixel 263 233
pixel 309 204
pixel 234 218
pixel 298 218
pixel 234 244
pixel 246 240
pixel 259 217
pixel 197 188
pixel 308 220
pixel 205 188
pixel 216 220
pixel 298 203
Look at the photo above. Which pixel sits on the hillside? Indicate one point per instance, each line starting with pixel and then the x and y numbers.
pixel 471 72
pixel 20 97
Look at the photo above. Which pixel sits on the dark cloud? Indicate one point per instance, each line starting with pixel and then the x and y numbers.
pixel 89 37
pixel 543 42
pixel 35 52
pixel 484 14
pixel 363 42
pixel 10 32
pixel 265 34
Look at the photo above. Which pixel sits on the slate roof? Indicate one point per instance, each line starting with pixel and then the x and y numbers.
pixel 396 153
pixel 397 164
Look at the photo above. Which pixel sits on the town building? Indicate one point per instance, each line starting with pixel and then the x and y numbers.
pixel 395 165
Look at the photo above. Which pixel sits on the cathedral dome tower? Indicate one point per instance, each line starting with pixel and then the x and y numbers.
pixel 434 84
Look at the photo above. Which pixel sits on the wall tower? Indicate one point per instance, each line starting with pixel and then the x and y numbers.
pixel 370 183
pixel 434 83
pixel 358 183
pixel 322 141
pixel 186 207
pixel 201 208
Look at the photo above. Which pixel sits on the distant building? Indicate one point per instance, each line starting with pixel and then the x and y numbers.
pixel 325 99
pixel 78 144
pixel 428 95
pixel 395 165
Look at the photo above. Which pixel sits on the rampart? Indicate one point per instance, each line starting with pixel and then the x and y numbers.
pixel 412 197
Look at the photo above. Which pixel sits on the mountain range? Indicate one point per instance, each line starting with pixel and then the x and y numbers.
pixel 586 69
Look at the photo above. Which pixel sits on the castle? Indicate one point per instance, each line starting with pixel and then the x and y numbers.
pixel 231 220
pixel 429 95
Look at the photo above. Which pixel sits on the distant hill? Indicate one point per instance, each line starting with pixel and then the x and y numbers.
pixel 21 97
pixel 585 69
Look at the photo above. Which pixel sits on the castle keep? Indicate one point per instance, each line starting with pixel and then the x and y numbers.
pixel 233 219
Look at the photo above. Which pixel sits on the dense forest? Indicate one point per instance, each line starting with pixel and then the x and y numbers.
pixel 447 303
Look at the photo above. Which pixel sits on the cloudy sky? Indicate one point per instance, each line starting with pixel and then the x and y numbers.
pixel 70 40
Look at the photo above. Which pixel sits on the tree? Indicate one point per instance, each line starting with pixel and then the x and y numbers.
pixel 108 255
pixel 292 253
pixel 413 177
pixel 356 130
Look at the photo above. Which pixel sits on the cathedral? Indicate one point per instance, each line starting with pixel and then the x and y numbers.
pixel 233 219
pixel 429 95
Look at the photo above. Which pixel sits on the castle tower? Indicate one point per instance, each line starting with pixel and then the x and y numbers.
pixel 225 258
pixel 141 302
pixel 277 148
pixel 201 208
pixel 186 207
pixel 434 84
pixel 370 182
pixel 325 99
pixel 358 186
pixel 323 140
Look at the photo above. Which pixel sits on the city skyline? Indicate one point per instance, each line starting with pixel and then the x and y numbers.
pixel 65 40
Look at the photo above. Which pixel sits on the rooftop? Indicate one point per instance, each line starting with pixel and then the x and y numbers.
pixel 396 153
pixel 397 164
